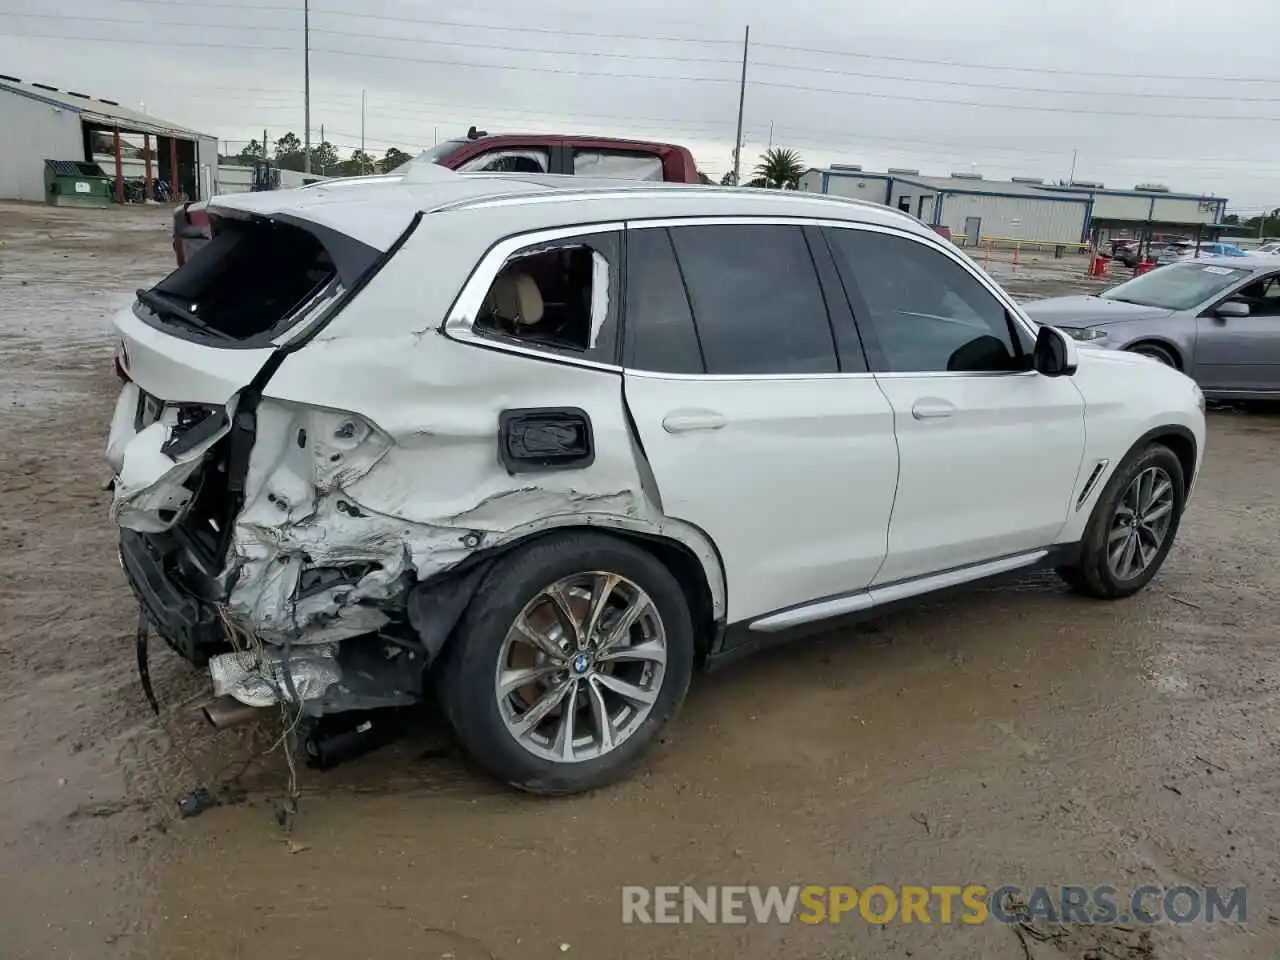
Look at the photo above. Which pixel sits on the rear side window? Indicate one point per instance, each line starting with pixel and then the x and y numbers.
pixel 755 299
pixel 517 160
pixel 254 280
pixel 919 311
pixel 622 164
pixel 561 297
pixel 660 336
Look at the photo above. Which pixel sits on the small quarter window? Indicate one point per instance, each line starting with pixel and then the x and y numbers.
pixel 559 296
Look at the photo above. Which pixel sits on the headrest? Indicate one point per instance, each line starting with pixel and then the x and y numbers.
pixel 515 297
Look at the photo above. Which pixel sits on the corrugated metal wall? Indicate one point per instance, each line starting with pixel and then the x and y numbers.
pixel 852 185
pixel 33 132
pixel 1019 218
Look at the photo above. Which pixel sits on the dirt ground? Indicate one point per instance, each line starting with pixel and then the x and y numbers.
pixel 1016 735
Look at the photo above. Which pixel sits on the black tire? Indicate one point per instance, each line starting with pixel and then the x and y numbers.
pixel 1156 352
pixel 466 685
pixel 1092 574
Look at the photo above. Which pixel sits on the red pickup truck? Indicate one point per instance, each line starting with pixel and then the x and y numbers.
pixel 513 153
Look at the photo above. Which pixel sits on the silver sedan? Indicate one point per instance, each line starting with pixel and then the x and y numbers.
pixel 1216 318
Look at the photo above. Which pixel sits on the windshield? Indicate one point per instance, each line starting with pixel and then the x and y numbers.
pixel 442 151
pixel 1178 286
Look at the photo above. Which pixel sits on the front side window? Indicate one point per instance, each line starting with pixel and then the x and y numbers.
pixel 560 296
pixel 509 161
pixel 921 312
pixel 756 302
pixel 1179 286
pixel 620 164
pixel 1261 296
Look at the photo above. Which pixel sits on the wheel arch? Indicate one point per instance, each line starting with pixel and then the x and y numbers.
pixel 1182 442
pixel 1180 362
pixel 436 604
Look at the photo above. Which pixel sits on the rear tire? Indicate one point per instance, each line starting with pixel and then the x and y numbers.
pixel 549 626
pixel 1132 527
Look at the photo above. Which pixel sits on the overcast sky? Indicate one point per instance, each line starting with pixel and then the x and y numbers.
pixel 1180 92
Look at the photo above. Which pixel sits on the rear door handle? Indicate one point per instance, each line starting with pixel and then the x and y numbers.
pixel 932 408
pixel 686 421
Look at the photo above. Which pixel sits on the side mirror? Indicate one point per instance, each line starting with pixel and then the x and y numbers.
pixel 1232 308
pixel 1055 353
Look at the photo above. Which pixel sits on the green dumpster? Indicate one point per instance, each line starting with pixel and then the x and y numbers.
pixel 74 183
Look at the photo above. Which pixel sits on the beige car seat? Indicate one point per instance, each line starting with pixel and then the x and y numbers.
pixel 515 300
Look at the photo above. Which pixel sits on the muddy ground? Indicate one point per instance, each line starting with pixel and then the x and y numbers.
pixel 1016 735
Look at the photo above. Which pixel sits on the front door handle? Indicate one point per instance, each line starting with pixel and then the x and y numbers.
pixel 686 421
pixel 932 408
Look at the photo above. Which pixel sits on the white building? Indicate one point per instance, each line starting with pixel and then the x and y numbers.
pixel 1024 209
pixel 42 123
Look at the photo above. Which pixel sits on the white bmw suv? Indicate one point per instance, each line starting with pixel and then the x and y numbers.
pixel 545 445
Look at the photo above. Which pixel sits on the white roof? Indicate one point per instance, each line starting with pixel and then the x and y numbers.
pixel 376 211
pixel 107 113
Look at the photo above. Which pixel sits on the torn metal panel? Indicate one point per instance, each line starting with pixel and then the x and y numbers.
pixel 256 678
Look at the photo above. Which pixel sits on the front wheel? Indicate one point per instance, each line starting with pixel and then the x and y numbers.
pixel 1132 526
pixel 574 656
pixel 1156 352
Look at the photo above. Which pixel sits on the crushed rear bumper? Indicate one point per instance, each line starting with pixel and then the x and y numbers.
pixel 175 601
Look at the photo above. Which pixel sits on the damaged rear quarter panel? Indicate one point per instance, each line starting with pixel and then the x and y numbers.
pixel 427 488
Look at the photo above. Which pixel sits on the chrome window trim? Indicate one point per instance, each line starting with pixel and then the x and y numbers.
pixel 458 323
pixel 461 316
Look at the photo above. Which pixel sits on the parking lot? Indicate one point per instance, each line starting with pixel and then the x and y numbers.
pixel 1016 735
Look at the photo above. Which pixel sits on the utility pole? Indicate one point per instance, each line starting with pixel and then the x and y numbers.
pixel 322 144
pixel 362 106
pixel 306 85
pixel 264 144
pixel 1071 177
pixel 770 134
pixel 742 96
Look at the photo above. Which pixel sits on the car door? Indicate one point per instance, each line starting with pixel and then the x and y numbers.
pixel 755 408
pixel 989 449
pixel 1241 354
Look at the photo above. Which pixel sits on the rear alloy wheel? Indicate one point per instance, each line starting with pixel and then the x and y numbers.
pixel 1132 526
pixel 574 656
pixel 1156 352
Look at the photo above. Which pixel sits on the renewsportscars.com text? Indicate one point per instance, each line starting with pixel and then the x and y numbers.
pixel 939 903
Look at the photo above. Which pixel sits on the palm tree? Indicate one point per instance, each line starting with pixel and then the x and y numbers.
pixel 779 168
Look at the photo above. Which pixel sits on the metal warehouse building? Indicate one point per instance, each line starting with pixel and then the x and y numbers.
pixel 1023 209
pixel 43 123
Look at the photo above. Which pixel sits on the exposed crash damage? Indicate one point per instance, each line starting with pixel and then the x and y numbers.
pixel 311 529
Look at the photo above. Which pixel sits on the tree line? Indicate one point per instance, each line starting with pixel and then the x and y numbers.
pixel 288 153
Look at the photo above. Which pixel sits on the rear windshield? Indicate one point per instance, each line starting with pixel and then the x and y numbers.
pixel 254 280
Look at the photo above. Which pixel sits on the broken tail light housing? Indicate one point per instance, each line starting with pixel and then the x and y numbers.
pixel 121 363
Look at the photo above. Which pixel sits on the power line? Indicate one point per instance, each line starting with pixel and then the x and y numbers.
pixel 144 43
pixel 1010 106
pixel 666 58
pixel 1190 78
pixel 378 36
pixel 510 29
pixel 500 66
pixel 1128 95
pixel 444 23
pixel 992 66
